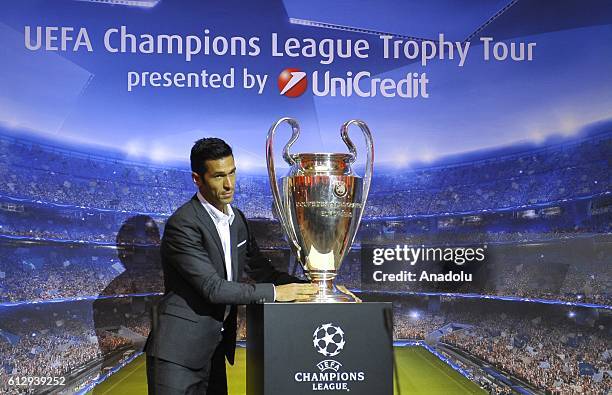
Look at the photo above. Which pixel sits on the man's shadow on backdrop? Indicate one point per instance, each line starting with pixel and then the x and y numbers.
pixel 121 322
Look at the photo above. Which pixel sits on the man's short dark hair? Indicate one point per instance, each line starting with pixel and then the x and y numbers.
pixel 210 148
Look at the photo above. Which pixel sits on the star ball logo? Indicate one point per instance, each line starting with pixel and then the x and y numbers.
pixel 292 82
pixel 328 340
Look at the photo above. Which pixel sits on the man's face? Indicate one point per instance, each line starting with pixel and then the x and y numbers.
pixel 217 184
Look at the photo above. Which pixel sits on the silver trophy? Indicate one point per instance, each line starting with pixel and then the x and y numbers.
pixel 321 205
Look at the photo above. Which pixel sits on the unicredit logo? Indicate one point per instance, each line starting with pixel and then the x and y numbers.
pixel 292 82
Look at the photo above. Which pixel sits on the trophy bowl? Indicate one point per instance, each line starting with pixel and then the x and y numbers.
pixel 320 204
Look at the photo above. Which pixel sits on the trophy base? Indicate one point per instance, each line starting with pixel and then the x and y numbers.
pixel 329 293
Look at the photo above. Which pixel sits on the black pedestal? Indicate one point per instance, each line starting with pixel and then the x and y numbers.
pixel 319 348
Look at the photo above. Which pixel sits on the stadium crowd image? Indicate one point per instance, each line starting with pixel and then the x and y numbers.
pixel 500 159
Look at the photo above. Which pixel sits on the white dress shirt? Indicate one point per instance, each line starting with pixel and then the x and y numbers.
pixel 222 222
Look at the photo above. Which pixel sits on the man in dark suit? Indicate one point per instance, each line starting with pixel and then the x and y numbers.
pixel 205 249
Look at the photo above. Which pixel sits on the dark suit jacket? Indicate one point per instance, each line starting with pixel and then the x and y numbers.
pixel 189 317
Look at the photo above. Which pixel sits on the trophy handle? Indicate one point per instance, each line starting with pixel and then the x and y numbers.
pixel 367 179
pixel 279 204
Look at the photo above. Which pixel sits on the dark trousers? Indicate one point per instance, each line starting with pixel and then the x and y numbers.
pixel 168 378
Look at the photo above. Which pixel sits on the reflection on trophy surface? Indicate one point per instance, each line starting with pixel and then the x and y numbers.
pixel 320 204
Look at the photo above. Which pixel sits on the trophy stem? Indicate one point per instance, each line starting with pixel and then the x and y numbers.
pixel 329 293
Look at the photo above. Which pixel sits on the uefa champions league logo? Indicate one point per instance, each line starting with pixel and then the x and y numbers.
pixel 340 189
pixel 328 340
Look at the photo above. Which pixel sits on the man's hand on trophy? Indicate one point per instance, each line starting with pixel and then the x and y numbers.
pixel 295 292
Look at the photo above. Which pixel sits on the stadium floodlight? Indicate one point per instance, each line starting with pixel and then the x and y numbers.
pixel 571 314
pixel 415 314
pixel 134 148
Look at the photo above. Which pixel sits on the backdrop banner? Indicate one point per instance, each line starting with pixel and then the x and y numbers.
pixel 488 221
